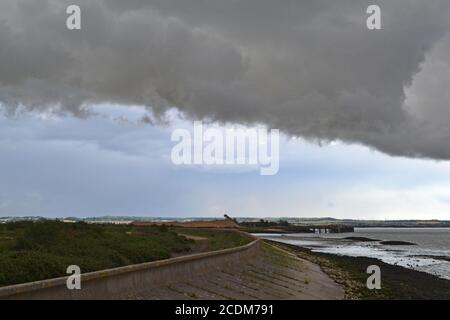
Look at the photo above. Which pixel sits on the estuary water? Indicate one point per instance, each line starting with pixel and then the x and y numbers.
pixel 431 253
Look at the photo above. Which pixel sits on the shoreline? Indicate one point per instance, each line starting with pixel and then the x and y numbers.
pixel 397 283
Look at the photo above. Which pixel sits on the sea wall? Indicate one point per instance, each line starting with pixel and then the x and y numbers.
pixel 111 283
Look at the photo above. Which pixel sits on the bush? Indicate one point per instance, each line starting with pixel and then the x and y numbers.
pixel 45 249
pixel 26 266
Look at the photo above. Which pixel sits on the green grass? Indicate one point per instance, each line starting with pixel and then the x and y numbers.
pixel 218 239
pixel 40 250
pixel 31 251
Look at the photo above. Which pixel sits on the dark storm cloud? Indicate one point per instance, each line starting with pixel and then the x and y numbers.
pixel 310 68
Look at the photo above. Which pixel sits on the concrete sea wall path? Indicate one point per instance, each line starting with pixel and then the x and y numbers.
pixel 272 274
pixel 254 271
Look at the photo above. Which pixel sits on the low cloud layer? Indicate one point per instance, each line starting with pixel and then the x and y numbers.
pixel 69 166
pixel 309 68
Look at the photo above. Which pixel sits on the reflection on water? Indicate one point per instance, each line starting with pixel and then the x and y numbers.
pixel 431 254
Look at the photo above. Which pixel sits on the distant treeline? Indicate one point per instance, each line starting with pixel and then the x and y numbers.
pixel 265 223
pixel 263 226
pixel 283 226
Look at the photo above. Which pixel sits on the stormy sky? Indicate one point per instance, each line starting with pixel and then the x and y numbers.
pixel 377 101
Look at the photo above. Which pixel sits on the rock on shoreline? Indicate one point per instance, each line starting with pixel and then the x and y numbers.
pixel 361 239
pixel 397 243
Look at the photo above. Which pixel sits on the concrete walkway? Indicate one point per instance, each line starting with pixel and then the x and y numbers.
pixel 272 274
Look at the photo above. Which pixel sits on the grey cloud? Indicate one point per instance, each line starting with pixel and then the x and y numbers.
pixel 309 68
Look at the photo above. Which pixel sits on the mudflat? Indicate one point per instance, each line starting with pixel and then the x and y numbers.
pixel 396 282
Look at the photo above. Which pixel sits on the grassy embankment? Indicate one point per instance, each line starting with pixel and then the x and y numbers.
pixel 396 282
pixel 42 250
pixel 216 239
